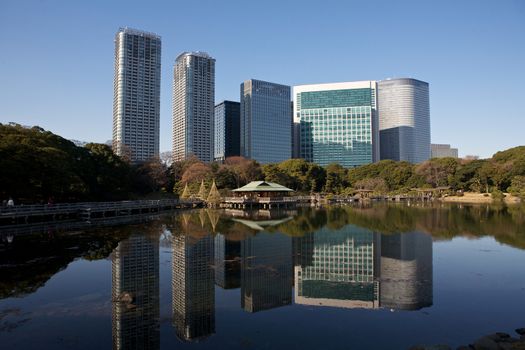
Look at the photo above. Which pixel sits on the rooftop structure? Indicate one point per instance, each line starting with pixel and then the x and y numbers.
pixel 262 186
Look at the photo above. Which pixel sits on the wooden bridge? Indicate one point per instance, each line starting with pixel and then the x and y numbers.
pixel 88 210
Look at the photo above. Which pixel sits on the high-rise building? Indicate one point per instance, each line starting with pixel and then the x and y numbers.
pixel 136 102
pixel 338 122
pixel 265 121
pixel 227 130
pixel 135 294
pixel 193 106
pixel 404 119
pixel 338 268
pixel 438 150
pixel 406 271
pixel 266 272
pixel 193 297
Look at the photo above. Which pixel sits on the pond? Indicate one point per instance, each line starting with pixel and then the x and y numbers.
pixel 383 276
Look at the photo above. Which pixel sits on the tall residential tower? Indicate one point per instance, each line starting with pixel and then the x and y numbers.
pixel 404 119
pixel 193 106
pixel 136 102
pixel 266 128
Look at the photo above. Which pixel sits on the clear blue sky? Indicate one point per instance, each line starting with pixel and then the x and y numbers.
pixel 56 57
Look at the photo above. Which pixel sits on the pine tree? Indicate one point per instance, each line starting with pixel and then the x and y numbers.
pixel 214 197
pixel 202 191
pixel 186 193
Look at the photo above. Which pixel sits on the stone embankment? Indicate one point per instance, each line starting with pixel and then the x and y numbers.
pixel 495 341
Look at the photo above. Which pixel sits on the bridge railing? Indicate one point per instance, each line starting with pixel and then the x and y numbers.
pixel 94 206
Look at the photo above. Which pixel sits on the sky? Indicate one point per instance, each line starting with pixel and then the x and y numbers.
pixel 57 57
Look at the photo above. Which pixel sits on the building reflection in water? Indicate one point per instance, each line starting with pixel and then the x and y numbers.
pixel 406 271
pixel 193 298
pixel 135 293
pixel 266 272
pixel 338 268
pixel 356 268
pixel 227 262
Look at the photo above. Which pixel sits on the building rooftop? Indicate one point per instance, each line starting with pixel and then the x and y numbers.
pixel 195 53
pixel 263 186
pixel 138 32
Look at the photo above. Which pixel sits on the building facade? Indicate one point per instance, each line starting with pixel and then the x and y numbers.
pixel 136 102
pixel 266 133
pixel 404 119
pixel 227 130
pixel 193 106
pixel 438 150
pixel 338 122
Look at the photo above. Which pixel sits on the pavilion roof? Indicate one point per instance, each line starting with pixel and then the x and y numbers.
pixel 262 186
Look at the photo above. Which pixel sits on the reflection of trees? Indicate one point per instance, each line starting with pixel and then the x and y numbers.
pixel 30 261
pixel 506 224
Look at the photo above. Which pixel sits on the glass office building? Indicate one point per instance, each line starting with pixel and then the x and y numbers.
pixel 193 106
pixel 136 102
pixel 338 123
pixel 227 130
pixel 266 127
pixel 404 119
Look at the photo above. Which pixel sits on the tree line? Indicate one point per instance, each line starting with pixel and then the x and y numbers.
pixel 37 166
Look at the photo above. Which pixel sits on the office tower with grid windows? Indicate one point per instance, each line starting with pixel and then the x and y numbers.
pixel 404 119
pixel 136 102
pixel 439 150
pixel 193 106
pixel 338 122
pixel 266 128
pixel 227 130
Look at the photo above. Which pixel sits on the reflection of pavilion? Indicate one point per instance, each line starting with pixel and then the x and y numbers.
pixel 135 294
pixel 227 262
pixel 266 272
pixel 406 271
pixel 337 268
pixel 193 287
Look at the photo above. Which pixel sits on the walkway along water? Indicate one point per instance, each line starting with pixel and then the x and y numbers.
pixel 23 214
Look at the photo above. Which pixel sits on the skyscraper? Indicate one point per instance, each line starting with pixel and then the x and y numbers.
pixel 227 130
pixel 193 106
pixel 338 123
pixel 266 133
pixel 404 119
pixel 136 102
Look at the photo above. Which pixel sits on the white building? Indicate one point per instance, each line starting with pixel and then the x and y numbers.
pixel 136 103
pixel 193 106
pixel 404 119
pixel 439 150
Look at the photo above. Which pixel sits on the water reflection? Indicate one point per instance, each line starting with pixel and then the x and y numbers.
pixel 193 298
pixel 135 293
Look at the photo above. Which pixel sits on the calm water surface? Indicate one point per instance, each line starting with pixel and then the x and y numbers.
pixel 379 277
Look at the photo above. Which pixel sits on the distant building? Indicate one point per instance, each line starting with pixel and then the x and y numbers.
pixel 404 119
pixel 441 151
pixel 338 122
pixel 265 121
pixel 136 102
pixel 227 130
pixel 193 288
pixel 266 272
pixel 135 281
pixel 193 106
pixel 471 157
